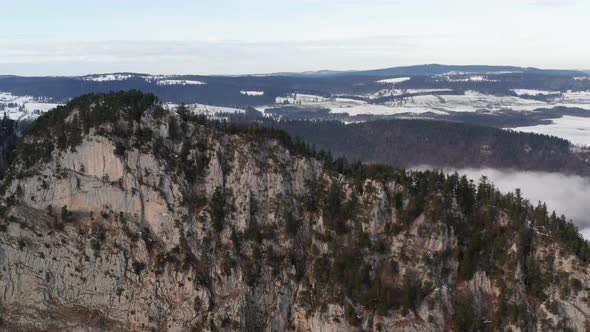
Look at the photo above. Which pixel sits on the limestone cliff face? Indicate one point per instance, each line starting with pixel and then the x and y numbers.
pixel 198 226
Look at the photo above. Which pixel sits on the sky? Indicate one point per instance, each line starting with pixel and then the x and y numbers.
pixel 67 37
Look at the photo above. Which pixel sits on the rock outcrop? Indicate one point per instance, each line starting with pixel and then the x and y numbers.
pixel 120 216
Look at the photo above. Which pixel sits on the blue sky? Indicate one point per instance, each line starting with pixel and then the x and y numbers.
pixel 65 37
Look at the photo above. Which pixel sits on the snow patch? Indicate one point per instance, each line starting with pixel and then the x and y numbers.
pixel 572 128
pixel 107 77
pixel 208 110
pixel 530 92
pixel 300 99
pixel 252 93
pixel 394 80
pixel 23 107
pixel 179 82
pixel 475 78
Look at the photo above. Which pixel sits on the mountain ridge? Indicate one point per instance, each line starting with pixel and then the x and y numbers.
pixel 411 70
pixel 127 216
pixel 434 69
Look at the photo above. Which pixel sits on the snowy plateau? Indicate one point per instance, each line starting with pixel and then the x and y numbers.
pixel 23 107
pixel 436 101
pixel 574 129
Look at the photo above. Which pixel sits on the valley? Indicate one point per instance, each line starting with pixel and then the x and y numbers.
pixel 524 99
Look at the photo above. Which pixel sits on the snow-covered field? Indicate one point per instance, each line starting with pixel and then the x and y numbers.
pixel 572 128
pixel 474 78
pixel 473 101
pixel 401 92
pixel 23 107
pixel 161 80
pixel 179 82
pixel 252 93
pixel 355 107
pixel 394 80
pixel 436 101
pixel 301 99
pixel 107 77
pixel 208 110
pixel 350 106
pixel 522 92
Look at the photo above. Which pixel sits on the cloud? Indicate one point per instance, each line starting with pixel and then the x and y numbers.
pixel 553 3
pixel 357 47
pixel 566 194
pixel 365 3
pixel 200 57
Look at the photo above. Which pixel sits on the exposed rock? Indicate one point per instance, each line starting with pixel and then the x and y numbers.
pixel 226 229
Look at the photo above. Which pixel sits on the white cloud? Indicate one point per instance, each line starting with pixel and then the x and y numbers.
pixel 297 35
pixel 566 194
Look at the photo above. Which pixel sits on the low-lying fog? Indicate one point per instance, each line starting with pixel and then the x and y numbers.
pixel 566 194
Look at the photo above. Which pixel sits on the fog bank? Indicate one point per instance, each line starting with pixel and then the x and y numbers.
pixel 566 194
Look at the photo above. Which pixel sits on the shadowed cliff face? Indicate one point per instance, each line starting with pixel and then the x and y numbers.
pixel 8 138
pixel 118 215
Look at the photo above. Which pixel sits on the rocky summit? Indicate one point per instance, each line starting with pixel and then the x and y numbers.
pixel 119 215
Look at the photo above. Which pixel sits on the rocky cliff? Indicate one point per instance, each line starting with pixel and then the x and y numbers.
pixel 8 138
pixel 118 215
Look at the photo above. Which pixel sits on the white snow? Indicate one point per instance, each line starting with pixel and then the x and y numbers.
pixel 400 92
pixel 350 106
pixel 475 78
pixel 374 109
pixel 300 99
pixel 23 107
pixel 179 82
pixel 252 93
pixel 394 80
pixel 471 101
pixel 573 128
pixel 208 110
pixel 458 73
pixel 158 79
pixel 436 101
pixel 107 77
pixel 531 92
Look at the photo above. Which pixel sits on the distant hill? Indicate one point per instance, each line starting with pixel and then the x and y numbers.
pixel 408 143
pixel 236 91
pixel 436 69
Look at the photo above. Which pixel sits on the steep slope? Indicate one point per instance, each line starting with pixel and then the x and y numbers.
pixel 8 138
pixel 118 215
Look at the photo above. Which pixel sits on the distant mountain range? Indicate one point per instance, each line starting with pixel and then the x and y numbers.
pixel 435 69
pixel 263 90
pixel 415 70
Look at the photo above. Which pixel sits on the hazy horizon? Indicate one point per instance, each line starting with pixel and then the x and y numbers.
pixel 280 72
pixel 230 37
